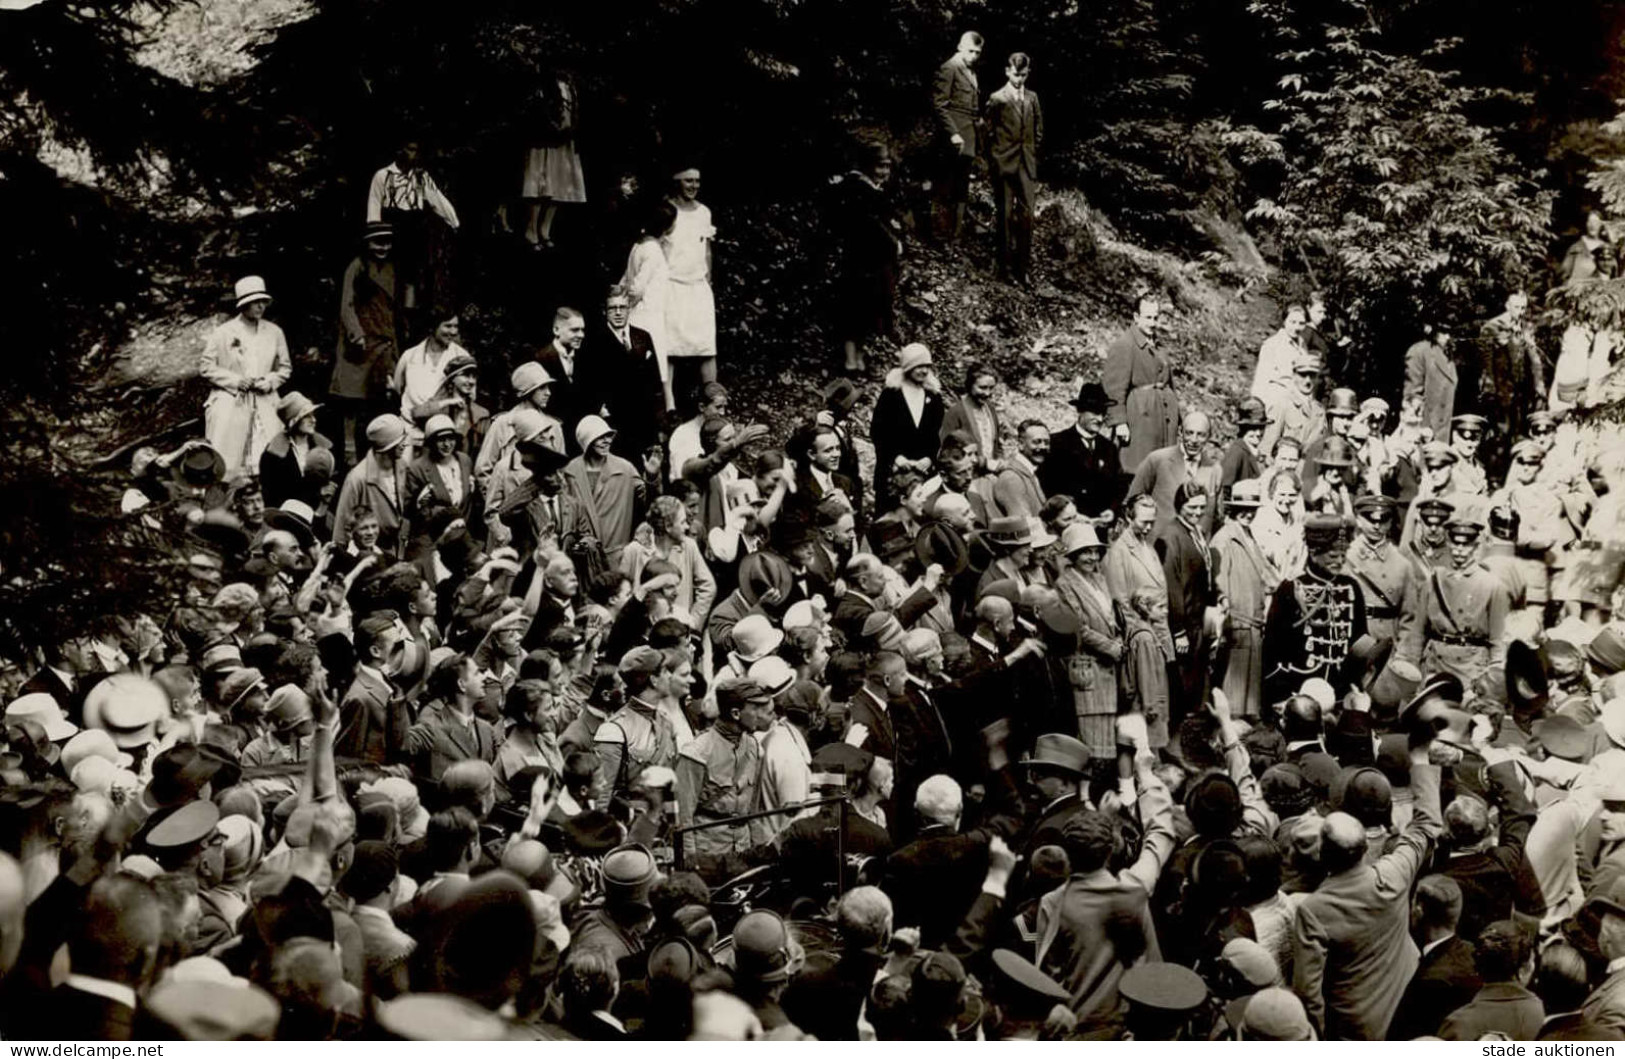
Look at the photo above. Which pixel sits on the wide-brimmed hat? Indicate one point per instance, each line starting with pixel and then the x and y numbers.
pixel 941 544
pixel 1528 685
pixel 46 711
pixel 1091 398
pixel 296 517
pixel 128 707
pixel 1055 750
pixel 760 571
pixel 251 289
pixel 1562 737
pixel 202 466
pixel 294 406
pixel 1435 710
pixel 841 396
pixel 93 742
pixel 1011 532
pixel 590 429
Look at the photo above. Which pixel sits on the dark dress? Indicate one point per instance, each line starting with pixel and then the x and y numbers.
pixel 894 433
pixel 868 259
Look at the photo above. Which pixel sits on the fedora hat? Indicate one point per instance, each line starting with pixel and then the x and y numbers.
pixel 1011 532
pixel 128 707
pixel 1396 682
pixel 1527 683
pixel 890 539
pixel 1251 416
pixel 840 396
pixel 45 710
pixel 294 406
pixel 1434 712
pixel 296 517
pixel 1606 652
pixel 941 544
pixel 760 571
pixel 1369 655
pixel 755 637
pixel 251 289
pixel 1091 398
pixel 202 466
pixel 182 771
pixel 1061 752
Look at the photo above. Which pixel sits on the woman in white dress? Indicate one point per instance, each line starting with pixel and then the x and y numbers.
pixel 647 280
pixel 246 361
pixel 691 315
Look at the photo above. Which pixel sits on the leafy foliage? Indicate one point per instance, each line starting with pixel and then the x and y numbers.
pixel 1379 181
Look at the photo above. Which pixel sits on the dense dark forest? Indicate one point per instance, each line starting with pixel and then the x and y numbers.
pixel 1414 158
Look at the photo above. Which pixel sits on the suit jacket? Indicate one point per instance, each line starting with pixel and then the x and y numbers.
pixel 1015 132
pixel 439 740
pixel 366 713
pixel 569 402
pixel 363 487
pixel 280 476
pixel 1605 1008
pixel 1161 474
pixel 1086 471
pixel 1431 376
pixel 882 738
pixel 1503 1007
pixel 855 607
pixel 422 472
pixel 82 1016
pixel 953 99
pixel 1188 567
pixel 1445 979
pixel 933 880
pixel 1575 1027
pixel 1352 953
pixel 1016 491
pixel 825 998
pixel 626 381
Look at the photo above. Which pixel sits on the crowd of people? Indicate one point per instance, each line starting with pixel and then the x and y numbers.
pixel 611 715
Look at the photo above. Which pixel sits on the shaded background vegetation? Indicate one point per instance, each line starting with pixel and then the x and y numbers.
pixel 1413 180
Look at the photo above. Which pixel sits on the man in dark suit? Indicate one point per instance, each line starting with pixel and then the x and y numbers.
pixel 620 379
pixel 113 940
pixel 818 478
pixel 365 712
pixel 1490 869
pixel 933 880
pixel 1082 460
pixel 570 401
pixel 1446 978
pixel 1015 125
pixel 883 686
pixel 826 997
pixel 953 98
pixel 66 676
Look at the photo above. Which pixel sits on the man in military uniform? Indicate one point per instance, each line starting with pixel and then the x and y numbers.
pixel 1466 434
pixel 717 770
pixel 1466 611
pixel 1499 555
pixel 1295 413
pixel 1390 581
pixel 1316 617
pixel 636 736
pixel 1548 514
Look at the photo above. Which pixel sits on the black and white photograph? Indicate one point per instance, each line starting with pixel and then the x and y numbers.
pixel 813 520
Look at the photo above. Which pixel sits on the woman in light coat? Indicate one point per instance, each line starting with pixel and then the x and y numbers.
pixel 1082 588
pixel 246 361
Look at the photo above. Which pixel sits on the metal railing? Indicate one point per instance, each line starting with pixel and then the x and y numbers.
pixel 842 800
